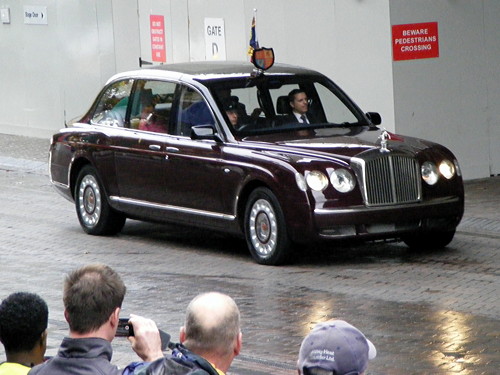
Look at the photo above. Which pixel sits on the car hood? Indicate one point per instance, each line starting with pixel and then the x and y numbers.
pixel 340 142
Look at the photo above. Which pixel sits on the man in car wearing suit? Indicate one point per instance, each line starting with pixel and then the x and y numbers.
pixel 300 106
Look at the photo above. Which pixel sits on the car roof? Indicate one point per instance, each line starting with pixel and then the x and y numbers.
pixel 226 67
pixel 204 70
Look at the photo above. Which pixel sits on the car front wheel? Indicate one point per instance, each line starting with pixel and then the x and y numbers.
pixel 429 240
pixel 92 207
pixel 265 228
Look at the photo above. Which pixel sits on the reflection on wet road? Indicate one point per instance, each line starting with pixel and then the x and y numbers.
pixel 428 313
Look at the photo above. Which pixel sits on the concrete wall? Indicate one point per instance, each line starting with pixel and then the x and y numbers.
pixel 51 73
pixel 492 72
pixel 450 99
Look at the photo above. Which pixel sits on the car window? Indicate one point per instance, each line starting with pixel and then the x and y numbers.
pixel 193 110
pixel 262 104
pixel 335 110
pixel 151 106
pixel 240 105
pixel 112 106
pixel 324 105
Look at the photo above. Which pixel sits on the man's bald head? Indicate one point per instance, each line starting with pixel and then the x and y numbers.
pixel 212 324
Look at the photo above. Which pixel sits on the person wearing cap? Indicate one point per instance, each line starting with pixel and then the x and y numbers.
pixel 231 109
pixel 335 347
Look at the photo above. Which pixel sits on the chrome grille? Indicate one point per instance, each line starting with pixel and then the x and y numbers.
pixel 390 179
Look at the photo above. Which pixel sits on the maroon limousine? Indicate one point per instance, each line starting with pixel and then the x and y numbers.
pixel 281 157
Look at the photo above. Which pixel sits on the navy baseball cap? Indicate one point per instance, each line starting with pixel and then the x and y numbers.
pixel 230 105
pixel 337 346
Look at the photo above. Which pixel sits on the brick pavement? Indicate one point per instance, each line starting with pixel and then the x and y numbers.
pixel 442 332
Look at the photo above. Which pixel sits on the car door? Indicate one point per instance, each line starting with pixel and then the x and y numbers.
pixel 140 153
pixel 194 170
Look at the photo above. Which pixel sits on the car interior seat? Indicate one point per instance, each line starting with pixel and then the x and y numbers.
pixel 282 108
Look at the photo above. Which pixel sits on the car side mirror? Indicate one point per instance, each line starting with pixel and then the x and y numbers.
pixel 204 132
pixel 374 118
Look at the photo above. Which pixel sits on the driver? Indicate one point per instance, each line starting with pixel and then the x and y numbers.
pixel 300 107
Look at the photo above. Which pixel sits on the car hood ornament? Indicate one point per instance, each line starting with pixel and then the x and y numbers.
pixel 384 136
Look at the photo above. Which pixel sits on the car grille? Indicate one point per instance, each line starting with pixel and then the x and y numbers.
pixel 389 179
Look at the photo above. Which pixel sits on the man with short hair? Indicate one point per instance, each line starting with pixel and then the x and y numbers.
pixel 335 348
pixel 23 332
pixel 300 107
pixel 210 338
pixel 212 329
pixel 93 297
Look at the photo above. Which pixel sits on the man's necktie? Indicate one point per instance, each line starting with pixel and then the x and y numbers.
pixel 304 119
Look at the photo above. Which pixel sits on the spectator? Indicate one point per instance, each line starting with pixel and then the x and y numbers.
pixel 211 338
pixel 212 329
pixel 93 297
pixel 23 332
pixel 336 348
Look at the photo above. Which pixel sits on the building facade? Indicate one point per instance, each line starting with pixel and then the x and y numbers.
pixel 428 67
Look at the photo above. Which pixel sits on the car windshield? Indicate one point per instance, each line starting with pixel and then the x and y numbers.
pixel 280 103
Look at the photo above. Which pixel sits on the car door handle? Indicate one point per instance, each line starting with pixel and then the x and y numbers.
pixel 172 149
pixel 155 147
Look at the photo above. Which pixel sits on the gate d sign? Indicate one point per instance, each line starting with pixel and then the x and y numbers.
pixel 35 15
pixel 215 39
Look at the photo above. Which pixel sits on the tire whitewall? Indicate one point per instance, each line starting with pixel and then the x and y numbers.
pixel 92 207
pixel 265 228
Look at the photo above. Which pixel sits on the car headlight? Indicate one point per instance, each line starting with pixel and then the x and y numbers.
pixel 457 167
pixel 342 180
pixel 429 173
pixel 447 169
pixel 317 180
pixel 301 181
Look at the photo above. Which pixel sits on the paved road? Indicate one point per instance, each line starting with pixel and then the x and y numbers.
pixel 431 313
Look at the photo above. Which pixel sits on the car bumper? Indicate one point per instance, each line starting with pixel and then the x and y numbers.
pixel 442 214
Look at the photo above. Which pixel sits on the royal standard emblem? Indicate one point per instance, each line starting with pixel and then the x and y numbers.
pixel 263 58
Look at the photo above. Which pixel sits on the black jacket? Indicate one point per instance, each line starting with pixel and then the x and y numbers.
pixel 290 118
pixel 181 362
pixel 80 357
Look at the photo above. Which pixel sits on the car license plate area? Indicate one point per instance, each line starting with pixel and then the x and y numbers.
pixel 388 227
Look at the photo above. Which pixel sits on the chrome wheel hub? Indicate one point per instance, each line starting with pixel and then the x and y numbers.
pixel 89 201
pixel 263 227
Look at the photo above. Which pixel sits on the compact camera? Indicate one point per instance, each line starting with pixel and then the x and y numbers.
pixel 125 328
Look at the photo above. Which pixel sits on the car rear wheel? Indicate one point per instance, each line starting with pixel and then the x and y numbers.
pixel 429 240
pixel 265 228
pixel 92 207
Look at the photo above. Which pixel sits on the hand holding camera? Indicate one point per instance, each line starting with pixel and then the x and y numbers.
pixel 144 336
pixel 125 329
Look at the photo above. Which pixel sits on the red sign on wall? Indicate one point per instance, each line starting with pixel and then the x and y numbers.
pixel 415 41
pixel 158 50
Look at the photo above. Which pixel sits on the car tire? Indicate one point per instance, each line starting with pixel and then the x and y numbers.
pixel 428 240
pixel 265 228
pixel 94 212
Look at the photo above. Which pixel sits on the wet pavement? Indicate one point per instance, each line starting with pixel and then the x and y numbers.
pixel 432 313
